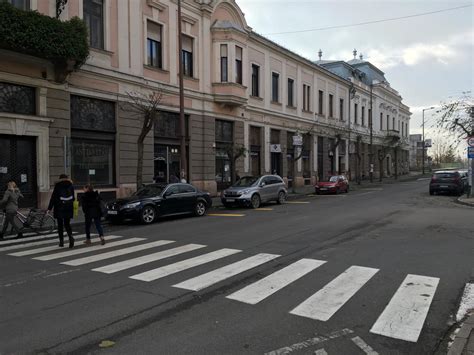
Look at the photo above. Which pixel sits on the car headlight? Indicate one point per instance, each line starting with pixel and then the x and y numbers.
pixel 131 205
pixel 244 192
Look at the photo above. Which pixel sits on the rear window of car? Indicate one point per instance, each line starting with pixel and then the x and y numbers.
pixel 446 175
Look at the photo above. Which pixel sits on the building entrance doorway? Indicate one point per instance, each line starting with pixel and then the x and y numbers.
pixel 18 163
pixel 167 163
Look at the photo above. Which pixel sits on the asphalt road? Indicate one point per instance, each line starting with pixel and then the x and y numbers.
pixel 361 248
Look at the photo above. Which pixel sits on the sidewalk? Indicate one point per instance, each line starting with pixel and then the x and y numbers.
pixel 464 200
pixel 463 343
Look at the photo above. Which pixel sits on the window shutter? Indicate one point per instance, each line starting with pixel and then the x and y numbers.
pixel 187 44
pixel 154 31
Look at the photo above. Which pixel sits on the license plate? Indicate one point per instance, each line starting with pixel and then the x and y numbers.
pixel 443 186
pixel 230 200
pixel 323 189
pixel 112 212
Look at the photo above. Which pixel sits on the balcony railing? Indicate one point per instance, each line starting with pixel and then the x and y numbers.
pixel 393 133
pixel 230 94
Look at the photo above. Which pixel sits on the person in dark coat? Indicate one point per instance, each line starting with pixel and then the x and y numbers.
pixel 62 201
pixel 10 204
pixel 91 206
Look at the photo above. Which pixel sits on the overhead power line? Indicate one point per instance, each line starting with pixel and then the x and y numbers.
pixel 369 22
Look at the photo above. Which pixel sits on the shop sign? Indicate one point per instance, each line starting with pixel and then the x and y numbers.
pixel 297 140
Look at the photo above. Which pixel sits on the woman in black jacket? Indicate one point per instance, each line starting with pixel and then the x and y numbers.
pixel 62 201
pixel 91 206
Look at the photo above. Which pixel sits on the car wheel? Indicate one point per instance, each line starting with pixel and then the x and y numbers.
pixel 317 192
pixel 347 189
pixel 148 215
pixel 255 201
pixel 200 209
pixel 281 197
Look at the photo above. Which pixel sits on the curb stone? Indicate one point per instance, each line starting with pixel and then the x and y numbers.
pixel 463 343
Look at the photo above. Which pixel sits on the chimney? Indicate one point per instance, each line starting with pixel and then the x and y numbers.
pixel 354 53
pixel 361 57
pixel 320 54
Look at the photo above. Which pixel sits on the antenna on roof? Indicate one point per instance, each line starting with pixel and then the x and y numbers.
pixel 361 56
pixel 354 52
pixel 320 53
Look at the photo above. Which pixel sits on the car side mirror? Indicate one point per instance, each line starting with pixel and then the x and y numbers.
pixel 262 184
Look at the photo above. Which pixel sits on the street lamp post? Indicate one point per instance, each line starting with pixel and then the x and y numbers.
pixel 182 122
pixel 423 138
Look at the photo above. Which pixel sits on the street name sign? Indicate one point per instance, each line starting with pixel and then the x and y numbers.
pixel 470 152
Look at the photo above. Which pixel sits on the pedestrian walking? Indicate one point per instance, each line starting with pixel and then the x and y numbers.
pixel 91 206
pixel 62 201
pixel 10 204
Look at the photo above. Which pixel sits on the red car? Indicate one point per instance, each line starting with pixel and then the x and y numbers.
pixel 336 184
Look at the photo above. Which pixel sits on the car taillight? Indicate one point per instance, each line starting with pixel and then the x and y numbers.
pixel 433 178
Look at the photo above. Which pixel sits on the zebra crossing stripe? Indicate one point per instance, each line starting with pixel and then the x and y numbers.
pixel 327 301
pixel 141 260
pixel 87 249
pixel 47 249
pixel 183 265
pixel 32 244
pixel 320 352
pixel 115 253
pixel 366 348
pixel 405 314
pixel 258 291
pixel 218 275
pixel 27 238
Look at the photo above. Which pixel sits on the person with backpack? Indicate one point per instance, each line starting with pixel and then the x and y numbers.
pixel 10 204
pixel 92 208
pixel 62 201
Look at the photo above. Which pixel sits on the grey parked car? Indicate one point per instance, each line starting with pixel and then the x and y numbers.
pixel 251 191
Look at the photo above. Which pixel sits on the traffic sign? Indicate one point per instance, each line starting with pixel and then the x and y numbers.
pixel 470 152
pixel 470 141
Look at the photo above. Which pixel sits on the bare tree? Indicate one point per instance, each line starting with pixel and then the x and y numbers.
pixel 145 106
pixel 457 116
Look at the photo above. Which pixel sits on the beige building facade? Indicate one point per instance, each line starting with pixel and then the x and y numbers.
pixel 242 92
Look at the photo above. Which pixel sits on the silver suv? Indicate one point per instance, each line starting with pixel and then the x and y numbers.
pixel 253 190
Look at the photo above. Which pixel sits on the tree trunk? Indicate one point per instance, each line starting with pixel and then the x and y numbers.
pixel 140 146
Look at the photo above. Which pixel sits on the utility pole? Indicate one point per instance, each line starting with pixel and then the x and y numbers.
pixel 371 153
pixel 471 175
pixel 351 96
pixel 182 122
pixel 423 138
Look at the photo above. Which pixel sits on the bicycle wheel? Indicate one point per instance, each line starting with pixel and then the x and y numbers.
pixel 48 225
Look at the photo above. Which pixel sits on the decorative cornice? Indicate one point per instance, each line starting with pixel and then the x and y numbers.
pixel 156 4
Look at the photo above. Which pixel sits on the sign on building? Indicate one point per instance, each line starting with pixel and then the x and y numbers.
pixel 298 140
pixel 428 143
pixel 275 148
pixel 470 152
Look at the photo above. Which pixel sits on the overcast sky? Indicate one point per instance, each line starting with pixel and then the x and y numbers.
pixel 427 58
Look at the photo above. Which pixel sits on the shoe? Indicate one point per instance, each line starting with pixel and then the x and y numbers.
pixel 102 241
pixel 87 241
pixel 61 244
pixel 71 242
pixel 19 236
pixel 1 236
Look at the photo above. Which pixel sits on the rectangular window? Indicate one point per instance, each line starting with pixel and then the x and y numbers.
pixel 320 102
pixel 94 19
pixel 331 105
pixel 92 161
pixel 20 4
pixel 238 65
pixel 363 116
pixel 381 121
pixel 370 117
pixel 291 84
pixel 393 123
pixel 154 45
pixel 306 97
pixel 187 43
pixel 341 109
pixel 224 142
pixel 255 80
pixel 224 68
pixel 356 113
pixel 17 99
pixel 388 122
pixel 275 87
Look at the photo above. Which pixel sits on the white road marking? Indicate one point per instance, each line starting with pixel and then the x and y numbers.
pixel 50 248
pixel 258 291
pixel 310 342
pixel 404 316
pixel 467 301
pixel 366 348
pixel 320 352
pixel 364 193
pixel 33 244
pixel 87 249
pixel 183 265
pixel 141 260
pixel 327 301
pixel 210 278
pixel 115 253
pixel 26 238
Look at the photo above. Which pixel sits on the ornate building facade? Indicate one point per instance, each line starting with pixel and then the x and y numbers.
pixel 241 91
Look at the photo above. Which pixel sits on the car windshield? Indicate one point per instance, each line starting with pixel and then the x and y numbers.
pixel 445 175
pixel 246 181
pixel 334 179
pixel 149 191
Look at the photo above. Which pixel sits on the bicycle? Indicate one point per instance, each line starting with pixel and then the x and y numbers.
pixel 39 221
